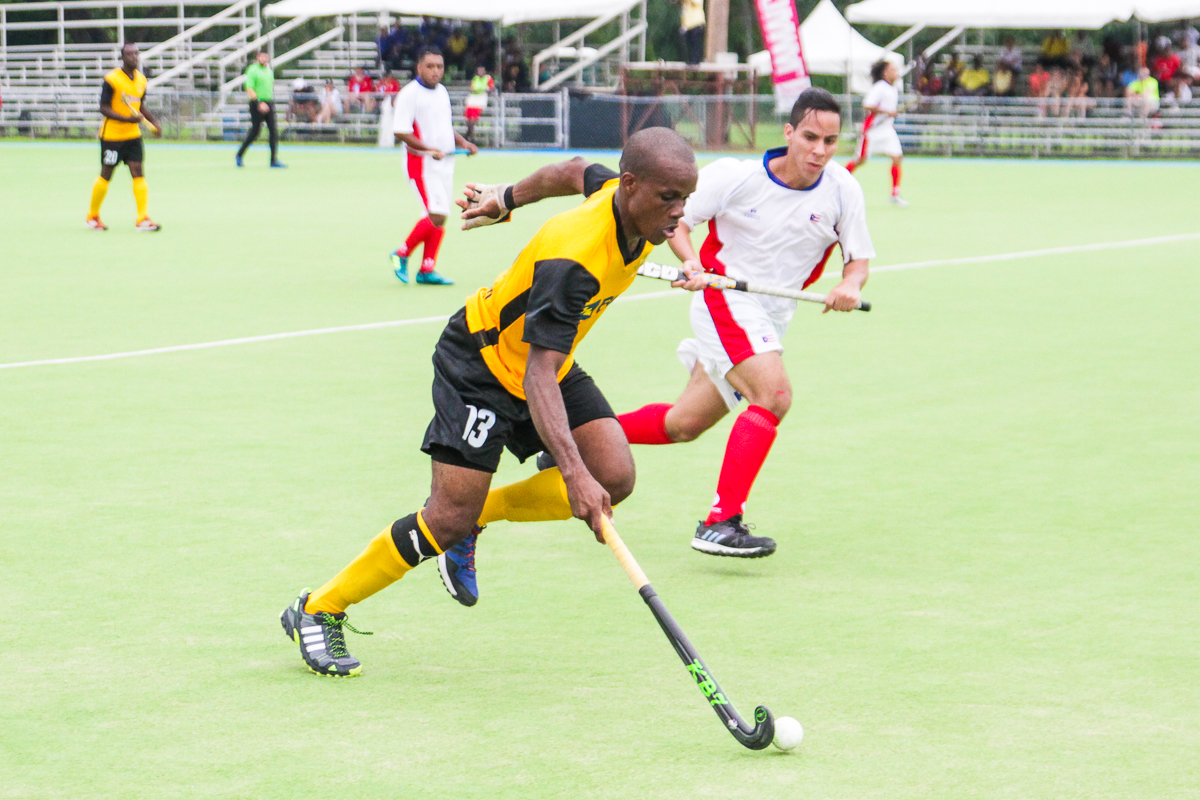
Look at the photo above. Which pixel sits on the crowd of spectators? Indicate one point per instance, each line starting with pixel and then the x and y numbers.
pixel 465 45
pixel 1068 74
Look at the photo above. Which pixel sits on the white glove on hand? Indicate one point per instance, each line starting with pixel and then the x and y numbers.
pixel 484 205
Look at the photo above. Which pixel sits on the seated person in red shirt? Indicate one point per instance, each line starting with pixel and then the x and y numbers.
pixel 388 86
pixel 1166 64
pixel 362 91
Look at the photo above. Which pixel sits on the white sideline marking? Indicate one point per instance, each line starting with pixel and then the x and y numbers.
pixel 1048 251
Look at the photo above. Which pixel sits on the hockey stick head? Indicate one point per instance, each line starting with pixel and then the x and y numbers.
pixel 763 733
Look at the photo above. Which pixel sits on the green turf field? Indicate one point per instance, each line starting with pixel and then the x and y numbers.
pixel 988 579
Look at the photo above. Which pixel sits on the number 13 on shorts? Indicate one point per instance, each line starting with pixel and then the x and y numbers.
pixel 478 425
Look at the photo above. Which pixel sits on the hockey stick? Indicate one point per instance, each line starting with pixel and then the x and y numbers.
pixel 665 272
pixel 757 737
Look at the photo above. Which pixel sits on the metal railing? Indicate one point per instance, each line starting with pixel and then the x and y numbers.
pixel 940 126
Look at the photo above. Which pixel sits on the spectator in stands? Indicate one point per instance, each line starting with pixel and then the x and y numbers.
pixel 1055 49
pixel 516 75
pixel 331 103
pixel 1141 96
pixel 1039 86
pixel 304 104
pixel 1078 102
pixel 1104 77
pixel 381 48
pixel 1180 92
pixel 928 85
pixel 1004 81
pixel 393 46
pixel 456 48
pixel 974 81
pixel 1011 57
pixel 692 27
pixel 361 91
pixel 388 86
pixel 954 68
pixel 1166 64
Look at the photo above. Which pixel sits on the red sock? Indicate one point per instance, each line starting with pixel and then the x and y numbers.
pixel 895 179
pixel 749 442
pixel 420 233
pixel 432 243
pixel 853 165
pixel 647 425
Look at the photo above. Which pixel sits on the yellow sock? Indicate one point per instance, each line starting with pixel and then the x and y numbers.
pixel 375 569
pixel 99 189
pixel 542 497
pixel 142 195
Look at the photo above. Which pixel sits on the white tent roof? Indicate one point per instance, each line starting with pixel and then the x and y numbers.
pixel 1075 14
pixel 832 47
pixel 508 12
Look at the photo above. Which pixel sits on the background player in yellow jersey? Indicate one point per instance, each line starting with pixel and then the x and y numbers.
pixel 122 99
pixel 504 376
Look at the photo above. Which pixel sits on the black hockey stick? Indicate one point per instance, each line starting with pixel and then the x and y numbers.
pixel 755 737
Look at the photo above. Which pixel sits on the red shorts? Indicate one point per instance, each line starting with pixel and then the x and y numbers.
pixel 473 113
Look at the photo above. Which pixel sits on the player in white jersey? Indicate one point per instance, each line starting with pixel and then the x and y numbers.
pixel 882 104
pixel 423 122
pixel 773 222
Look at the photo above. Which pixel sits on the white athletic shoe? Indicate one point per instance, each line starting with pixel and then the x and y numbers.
pixel 147 226
pixel 900 201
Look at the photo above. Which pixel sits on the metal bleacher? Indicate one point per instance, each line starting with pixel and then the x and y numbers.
pixel 1048 127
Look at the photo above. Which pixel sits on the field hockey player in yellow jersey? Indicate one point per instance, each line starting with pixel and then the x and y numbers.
pixel 505 377
pixel 121 103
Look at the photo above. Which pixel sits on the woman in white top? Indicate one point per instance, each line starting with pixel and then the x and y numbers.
pixel 882 104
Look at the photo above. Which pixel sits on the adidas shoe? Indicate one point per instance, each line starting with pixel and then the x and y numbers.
pixel 321 638
pixel 731 537
pixel 457 567
pixel 431 277
pixel 95 224
pixel 147 225
pixel 400 266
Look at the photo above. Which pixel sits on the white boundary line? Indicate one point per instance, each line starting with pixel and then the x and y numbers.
pixel 1049 251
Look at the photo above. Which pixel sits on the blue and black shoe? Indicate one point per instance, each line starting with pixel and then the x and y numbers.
pixel 400 266
pixel 238 160
pixel 457 568
pixel 431 277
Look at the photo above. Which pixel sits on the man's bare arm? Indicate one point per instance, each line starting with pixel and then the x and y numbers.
pixel 847 294
pixel 493 202
pixel 417 147
pixel 588 498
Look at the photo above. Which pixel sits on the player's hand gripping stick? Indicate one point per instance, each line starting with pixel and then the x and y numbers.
pixel 665 272
pixel 755 737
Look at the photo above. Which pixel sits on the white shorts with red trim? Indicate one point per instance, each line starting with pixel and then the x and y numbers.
pixel 730 327
pixel 433 181
pixel 880 141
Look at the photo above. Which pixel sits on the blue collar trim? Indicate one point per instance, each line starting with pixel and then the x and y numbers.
pixel 776 152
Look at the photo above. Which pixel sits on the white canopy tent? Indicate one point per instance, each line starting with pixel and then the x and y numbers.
pixel 508 12
pixel 1073 14
pixel 832 47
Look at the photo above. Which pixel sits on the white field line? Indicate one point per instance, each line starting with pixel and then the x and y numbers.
pixel 1049 251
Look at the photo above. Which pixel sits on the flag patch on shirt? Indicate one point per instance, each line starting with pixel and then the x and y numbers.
pixel 814 217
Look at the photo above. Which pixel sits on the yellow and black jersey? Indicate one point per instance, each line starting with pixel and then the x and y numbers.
pixel 123 95
pixel 560 284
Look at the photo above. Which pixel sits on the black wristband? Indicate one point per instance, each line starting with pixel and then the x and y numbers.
pixel 509 203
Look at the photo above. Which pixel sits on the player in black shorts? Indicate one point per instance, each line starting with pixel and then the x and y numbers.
pixel 505 377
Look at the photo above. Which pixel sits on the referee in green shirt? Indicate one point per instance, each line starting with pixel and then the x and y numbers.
pixel 260 89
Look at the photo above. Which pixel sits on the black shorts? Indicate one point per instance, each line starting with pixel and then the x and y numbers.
pixel 113 153
pixel 475 417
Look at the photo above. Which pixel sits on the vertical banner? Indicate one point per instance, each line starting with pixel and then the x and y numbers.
pixel 781 35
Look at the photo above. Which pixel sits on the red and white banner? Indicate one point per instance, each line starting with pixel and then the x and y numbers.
pixel 781 34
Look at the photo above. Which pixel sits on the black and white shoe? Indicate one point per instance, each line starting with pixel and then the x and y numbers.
pixel 545 461
pixel 321 638
pixel 731 537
